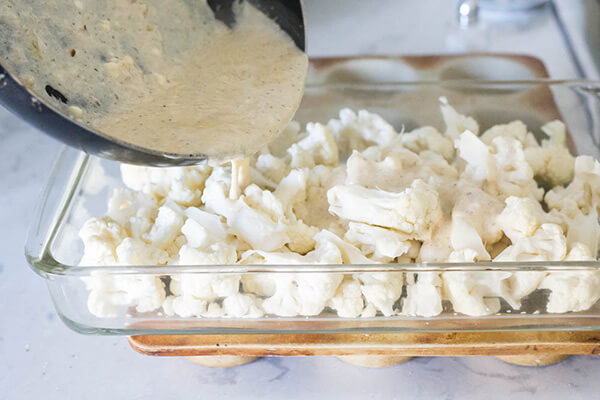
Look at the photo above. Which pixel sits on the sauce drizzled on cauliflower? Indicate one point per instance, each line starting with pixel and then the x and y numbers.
pixel 355 191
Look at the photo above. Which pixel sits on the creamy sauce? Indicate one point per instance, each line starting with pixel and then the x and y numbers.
pixel 161 75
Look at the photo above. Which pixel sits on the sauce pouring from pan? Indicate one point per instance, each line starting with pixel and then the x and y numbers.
pixel 154 82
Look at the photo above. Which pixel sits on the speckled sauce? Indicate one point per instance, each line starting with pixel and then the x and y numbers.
pixel 162 75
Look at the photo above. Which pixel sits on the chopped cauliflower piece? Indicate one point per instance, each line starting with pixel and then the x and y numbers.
pixel 501 168
pixel 357 131
pixel 480 210
pixel 522 216
pixel 415 211
pixel 381 244
pixel 166 227
pixel 183 185
pixel 100 237
pixel 319 147
pixel 582 194
pixel 428 138
pixel 573 291
pixel 552 162
pixel 456 123
pixel 381 289
pixel 515 130
pixel 348 299
pixel 423 295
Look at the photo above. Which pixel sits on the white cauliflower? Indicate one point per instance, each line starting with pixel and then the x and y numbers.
pixel 183 185
pixel 111 295
pixel 522 216
pixel 480 210
pixel 348 299
pixel 133 210
pixel 261 227
pixel 242 306
pixel 548 243
pixel 438 247
pixel 582 194
pixel 396 168
pixel 420 196
pixel 501 168
pixel 166 228
pixel 428 138
pixel 423 294
pixel 192 292
pixel 576 290
pixel 383 245
pixel 415 211
pixel 292 294
pixel 358 131
pixel 514 130
pixel 381 289
pixel 100 237
pixel 271 167
pixel 318 147
pixel 552 162
pixel 456 123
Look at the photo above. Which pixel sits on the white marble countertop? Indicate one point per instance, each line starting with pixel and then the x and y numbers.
pixel 41 358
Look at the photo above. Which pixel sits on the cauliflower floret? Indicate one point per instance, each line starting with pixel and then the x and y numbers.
pixel 573 291
pixel 582 194
pixel 271 167
pixel 478 156
pixel 166 227
pixel 584 229
pixel 456 123
pixel 183 185
pixel 522 216
pixel 106 244
pixel 204 286
pixel 415 211
pixel 301 293
pixel 381 289
pixel 472 292
pixel 356 132
pixel 501 168
pixel 100 237
pixel 185 306
pixel 464 237
pixel 423 294
pixel 348 300
pixel 108 293
pixel 475 293
pixel 514 130
pixel 380 244
pixel 133 251
pixel 547 244
pixel 242 306
pixel 480 210
pixel 395 169
pixel 135 211
pixel 146 292
pixel 259 227
pixel 552 162
pixel 428 138
pixel 438 247
pixel 319 147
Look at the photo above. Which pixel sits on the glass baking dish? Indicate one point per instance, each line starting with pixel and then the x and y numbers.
pixel 79 187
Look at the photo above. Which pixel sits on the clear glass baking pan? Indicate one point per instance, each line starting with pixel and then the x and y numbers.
pixel 73 195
